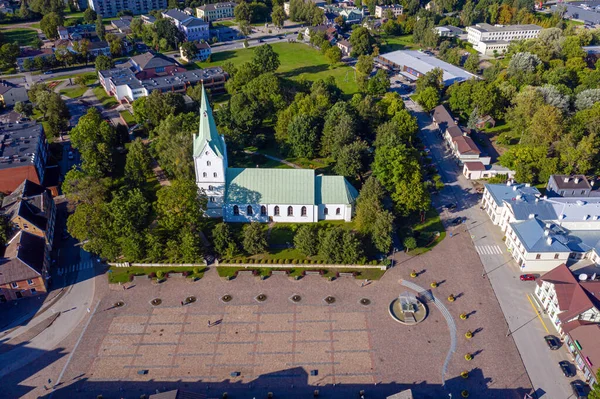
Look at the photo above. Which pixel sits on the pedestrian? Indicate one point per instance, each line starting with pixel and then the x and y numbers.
pixel 362 284
pixel 88 310
pixel 124 288
pixel 209 323
pixel 181 303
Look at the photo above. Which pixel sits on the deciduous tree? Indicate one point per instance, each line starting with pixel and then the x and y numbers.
pixel 255 238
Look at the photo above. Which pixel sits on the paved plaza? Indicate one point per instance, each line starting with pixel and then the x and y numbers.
pixel 273 346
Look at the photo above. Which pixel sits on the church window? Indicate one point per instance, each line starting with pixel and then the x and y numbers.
pixel 210 188
pixel 276 211
pixel 303 211
pixel 326 211
pixel 211 199
pixel 337 211
pixel 236 210
pixel 215 174
pixel 263 210
pixel 207 153
pixel 249 210
pixel 207 163
pixel 204 174
pixel 290 211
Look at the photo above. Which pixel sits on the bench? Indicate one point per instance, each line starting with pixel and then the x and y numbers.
pixel 345 274
pixel 245 272
pixel 312 273
pixel 280 272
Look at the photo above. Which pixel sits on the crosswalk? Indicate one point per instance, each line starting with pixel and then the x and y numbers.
pixel 76 267
pixel 488 249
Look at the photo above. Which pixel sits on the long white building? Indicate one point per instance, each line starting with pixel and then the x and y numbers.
pixel 494 39
pixel 110 8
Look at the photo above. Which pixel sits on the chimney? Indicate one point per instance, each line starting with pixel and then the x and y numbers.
pixel 549 240
pixel 546 232
pixel 508 183
pixel 566 179
pixel 515 188
pixel 576 180
pixel 531 215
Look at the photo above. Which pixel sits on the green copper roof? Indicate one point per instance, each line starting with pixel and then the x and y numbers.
pixel 334 190
pixel 207 132
pixel 270 186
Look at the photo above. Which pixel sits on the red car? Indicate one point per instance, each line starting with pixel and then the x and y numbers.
pixel 527 277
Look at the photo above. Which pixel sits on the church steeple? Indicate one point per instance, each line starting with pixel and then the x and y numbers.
pixel 207 131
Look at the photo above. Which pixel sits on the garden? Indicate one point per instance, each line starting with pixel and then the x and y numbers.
pixel 126 274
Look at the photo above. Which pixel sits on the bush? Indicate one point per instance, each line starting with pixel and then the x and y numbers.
pixel 286 261
pixel 295 261
pixel 196 270
pixel 160 274
pixel 131 277
pixel 250 260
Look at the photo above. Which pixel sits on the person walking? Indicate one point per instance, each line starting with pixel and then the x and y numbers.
pixel 181 303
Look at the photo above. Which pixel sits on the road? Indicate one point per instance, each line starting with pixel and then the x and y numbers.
pixel 498 266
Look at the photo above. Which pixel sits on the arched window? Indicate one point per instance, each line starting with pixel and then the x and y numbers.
pixel 210 188
pixel 212 199
pixel 215 174
pixel 207 163
pixel 326 211
pixel 207 153
pixel 249 210
pixel 276 211
pixel 290 211
pixel 303 211
pixel 263 210
pixel 337 211
pixel 204 174
pixel 236 210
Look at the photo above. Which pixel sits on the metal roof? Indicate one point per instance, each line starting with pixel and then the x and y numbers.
pixel 501 192
pixel 334 190
pixel 207 131
pixel 531 235
pixel 483 27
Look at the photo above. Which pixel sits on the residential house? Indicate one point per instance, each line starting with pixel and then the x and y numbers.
pixel 148 19
pixel 568 186
pixel 99 48
pixel 330 32
pixel 23 154
pixel 382 11
pixel 475 170
pixel 28 53
pixel 448 31
pixel 123 25
pixel 77 32
pixel 110 8
pixel 192 28
pixel 204 51
pixel 214 12
pixel 7 8
pixel 23 270
pixel 10 93
pixel 568 302
pixel 345 46
pixel 494 39
pixel 582 342
pixel 30 208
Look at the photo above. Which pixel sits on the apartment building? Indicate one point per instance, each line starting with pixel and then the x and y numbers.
pixel 110 8
pixel 494 39
pixel 214 12
pixel 192 28
pixel 382 11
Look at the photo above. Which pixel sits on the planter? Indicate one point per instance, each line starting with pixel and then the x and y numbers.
pixel 119 304
pixel 468 357
pixel 261 298
pixel 190 299
pixel 226 298
pixel 463 316
pixel 464 394
pixel 451 298
pixel 156 301
pixel 468 335
pixel 413 274
pixel 433 284
pixel 464 374
pixel 329 300
pixel 365 301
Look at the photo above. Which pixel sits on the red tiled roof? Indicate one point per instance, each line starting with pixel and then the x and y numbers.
pixel 473 166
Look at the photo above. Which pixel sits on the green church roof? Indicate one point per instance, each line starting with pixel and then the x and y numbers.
pixel 207 132
pixel 270 186
pixel 334 190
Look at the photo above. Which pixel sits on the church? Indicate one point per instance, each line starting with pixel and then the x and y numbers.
pixel 264 195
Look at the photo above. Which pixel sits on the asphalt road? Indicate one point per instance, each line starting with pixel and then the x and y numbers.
pixel 522 321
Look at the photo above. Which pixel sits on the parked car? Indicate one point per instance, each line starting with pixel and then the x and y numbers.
pixel 552 341
pixel 527 277
pixel 566 369
pixel 70 155
pixel 456 221
pixel 48 73
pixel 450 206
pixel 580 389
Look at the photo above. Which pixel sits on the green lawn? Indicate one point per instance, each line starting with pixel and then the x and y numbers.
pixel 106 100
pixel 393 43
pixel 121 274
pixel 297 61
pixel 227 22
pixel 425 233
pixel 89 77
pixel 126 115
pixel 361 274
pixel 23 36
pixel 74 92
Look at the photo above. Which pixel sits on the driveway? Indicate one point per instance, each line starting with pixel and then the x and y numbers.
pixel 523 325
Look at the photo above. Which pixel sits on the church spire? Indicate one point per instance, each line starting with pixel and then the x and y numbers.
pixel 207 130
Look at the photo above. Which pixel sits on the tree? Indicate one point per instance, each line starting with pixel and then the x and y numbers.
pixel 433 78
pixel 222 239
pixel 339 246
pixel 303 136
pixel 255 238
pixel 522 63
pixel 50 23
pixel 137 163
pixel 265 59
pixel 179 206
pixel 103 63
pixel 334 55
pixel 410 243
pixel 242 12
pixel 468 13
pixel 362 42
pixel 58 115
pixel 339 129
pixel 115 44
pixel 587 99
pixel 95 140
pixel 306 240
pixel 23 108
pixel 190 51
pixel 278 16
pixel 8 55
pixel 371 216
pixel 82 47
pixel 352 159
pixel 100 29
pixel 379 84
pixel 428 99
pixel 424 34
pixel 472 63
pixel 173 144
pixel 24 12
pixel 89 16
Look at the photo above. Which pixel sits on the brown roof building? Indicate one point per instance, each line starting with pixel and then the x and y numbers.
pixel 568 186
pixel 583 343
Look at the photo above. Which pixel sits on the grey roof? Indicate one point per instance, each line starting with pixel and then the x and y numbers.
pixel 19 143
pixel 483 27
pixel 501 192
pixel 450 28
pixel 176 14
pixel 149 18
pixel 6 86
pixel 571 183
pixel 177 394
pixel 29 201
pixel 589 14
pixel 23 258
pixel 212 7
pixel 150 60
pixel 574 209
pixel 98 45
pixel 531 235
pixel 526 205
pixel 121 24
pixel 424 63
pixel 192 22
pixel 584 240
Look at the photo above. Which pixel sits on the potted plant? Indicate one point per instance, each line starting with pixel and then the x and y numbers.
pixel 413 274
pixel 451 298
pixel 464 393
pixel 463 316
pixel 468 357
pixel 433 284
pixel 468 334
pixel 464 374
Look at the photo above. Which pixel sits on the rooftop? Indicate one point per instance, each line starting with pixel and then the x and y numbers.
pixel 483 27
pixel 570 182
pixel 212 7
pixel 502 192
pixel 442 117
pixel 587 337
pixel 474 166
pixel 6 86
pixel 465 145
pixel 531 235
pixel 124 76
pixel 192 21
pixel 30 203
pixel 176 14
pixel 23 258
pixel 207 131
pixel 19 143
pixel 149 60
pixel 424 63
pixel 334 190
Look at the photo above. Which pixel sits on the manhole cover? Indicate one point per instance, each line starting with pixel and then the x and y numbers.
pixel 330 300
pixel 156 301
pixel 296 298
pixel 261 298
pixel 119 304
pixel 226 298
pixel 365 301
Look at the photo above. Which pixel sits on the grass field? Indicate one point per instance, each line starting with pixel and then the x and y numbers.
pixel 297 61
pixel 23 36
pixel 106 100
pixel 126 115
pixel 393 43
pixel 89 77
pixel 74 92
pixel 121 274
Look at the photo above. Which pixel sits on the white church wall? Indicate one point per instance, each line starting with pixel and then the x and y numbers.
pixel 345 212
pixel 244 217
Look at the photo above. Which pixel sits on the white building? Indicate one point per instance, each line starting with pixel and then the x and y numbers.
pixel 448 31
pixel 110 8
pixel 477 170
pixel 204 51
pixel 214 12
pixel 192 28
pixel 487 39
pixel 264 195
pixel 381 11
